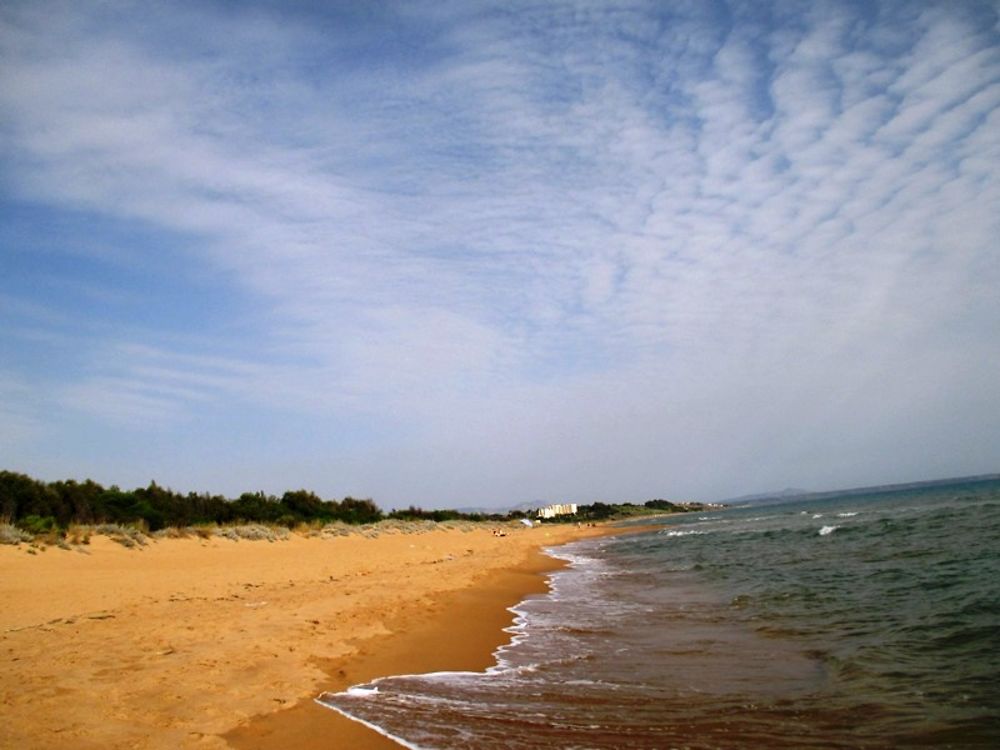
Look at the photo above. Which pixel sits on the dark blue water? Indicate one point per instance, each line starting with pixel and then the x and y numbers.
pixel 855 621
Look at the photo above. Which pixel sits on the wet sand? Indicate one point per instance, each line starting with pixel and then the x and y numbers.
pixel 459 631
pixel 212 643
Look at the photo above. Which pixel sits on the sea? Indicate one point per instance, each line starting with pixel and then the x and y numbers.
pixel 857 620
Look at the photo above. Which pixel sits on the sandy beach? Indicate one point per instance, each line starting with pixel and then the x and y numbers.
pixel 213 643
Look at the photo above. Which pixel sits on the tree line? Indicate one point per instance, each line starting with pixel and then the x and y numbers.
pixel 59 504
pixel 40 506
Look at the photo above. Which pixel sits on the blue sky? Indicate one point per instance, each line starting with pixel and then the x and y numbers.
pixel 474 254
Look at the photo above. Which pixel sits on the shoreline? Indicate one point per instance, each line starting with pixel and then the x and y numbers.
pixel 459 631
pixel 221 644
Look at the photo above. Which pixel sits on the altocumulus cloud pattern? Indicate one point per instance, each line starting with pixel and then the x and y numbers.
pixel 478 253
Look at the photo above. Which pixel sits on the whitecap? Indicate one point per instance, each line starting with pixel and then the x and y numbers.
pixel 826 530
pixel 361 691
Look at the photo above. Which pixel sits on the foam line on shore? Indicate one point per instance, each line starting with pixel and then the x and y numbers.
pixel 474 620
pixel 516 630
pixel 374 727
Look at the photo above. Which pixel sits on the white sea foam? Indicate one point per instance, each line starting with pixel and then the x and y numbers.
pixel 370 725
pixel 530 615
pixel 682 533
pixel 361 691
pixel 567 660
pixel 817 515
pixel 526 669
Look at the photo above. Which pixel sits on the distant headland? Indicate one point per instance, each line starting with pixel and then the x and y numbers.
pixel 792 495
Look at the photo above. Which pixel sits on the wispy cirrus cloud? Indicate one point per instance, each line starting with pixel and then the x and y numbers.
pixel 485 231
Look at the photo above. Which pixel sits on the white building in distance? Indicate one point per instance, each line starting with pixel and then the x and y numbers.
pixel 557 509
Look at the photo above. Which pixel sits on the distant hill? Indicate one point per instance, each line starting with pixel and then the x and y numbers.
pixel 472 511
pixel 524 507
pixel 790 495
pixel 502 509
pixel 763 498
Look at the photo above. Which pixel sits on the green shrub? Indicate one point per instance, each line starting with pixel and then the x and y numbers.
pixel 38 525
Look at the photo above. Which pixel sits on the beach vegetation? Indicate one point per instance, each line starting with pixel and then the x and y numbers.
pixel 51 512
pixel 11 534
pixel 253 532
pixel 126 535
pixel 441 516
pixel 602 511
pixel 38 507
pixel 37 525
pixel 78 533
pixel 665 506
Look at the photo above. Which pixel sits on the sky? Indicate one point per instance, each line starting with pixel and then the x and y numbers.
pixel 476 254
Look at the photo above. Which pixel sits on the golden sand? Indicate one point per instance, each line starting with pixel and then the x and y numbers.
pixel 212 643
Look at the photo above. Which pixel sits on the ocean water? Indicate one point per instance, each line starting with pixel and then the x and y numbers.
pixel 856 621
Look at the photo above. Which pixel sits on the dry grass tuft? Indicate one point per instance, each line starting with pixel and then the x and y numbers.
pixel 173 532
pixel 127 536
pixel 78 534
pixel 137 535
pixel 10 534
pixel 253 532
